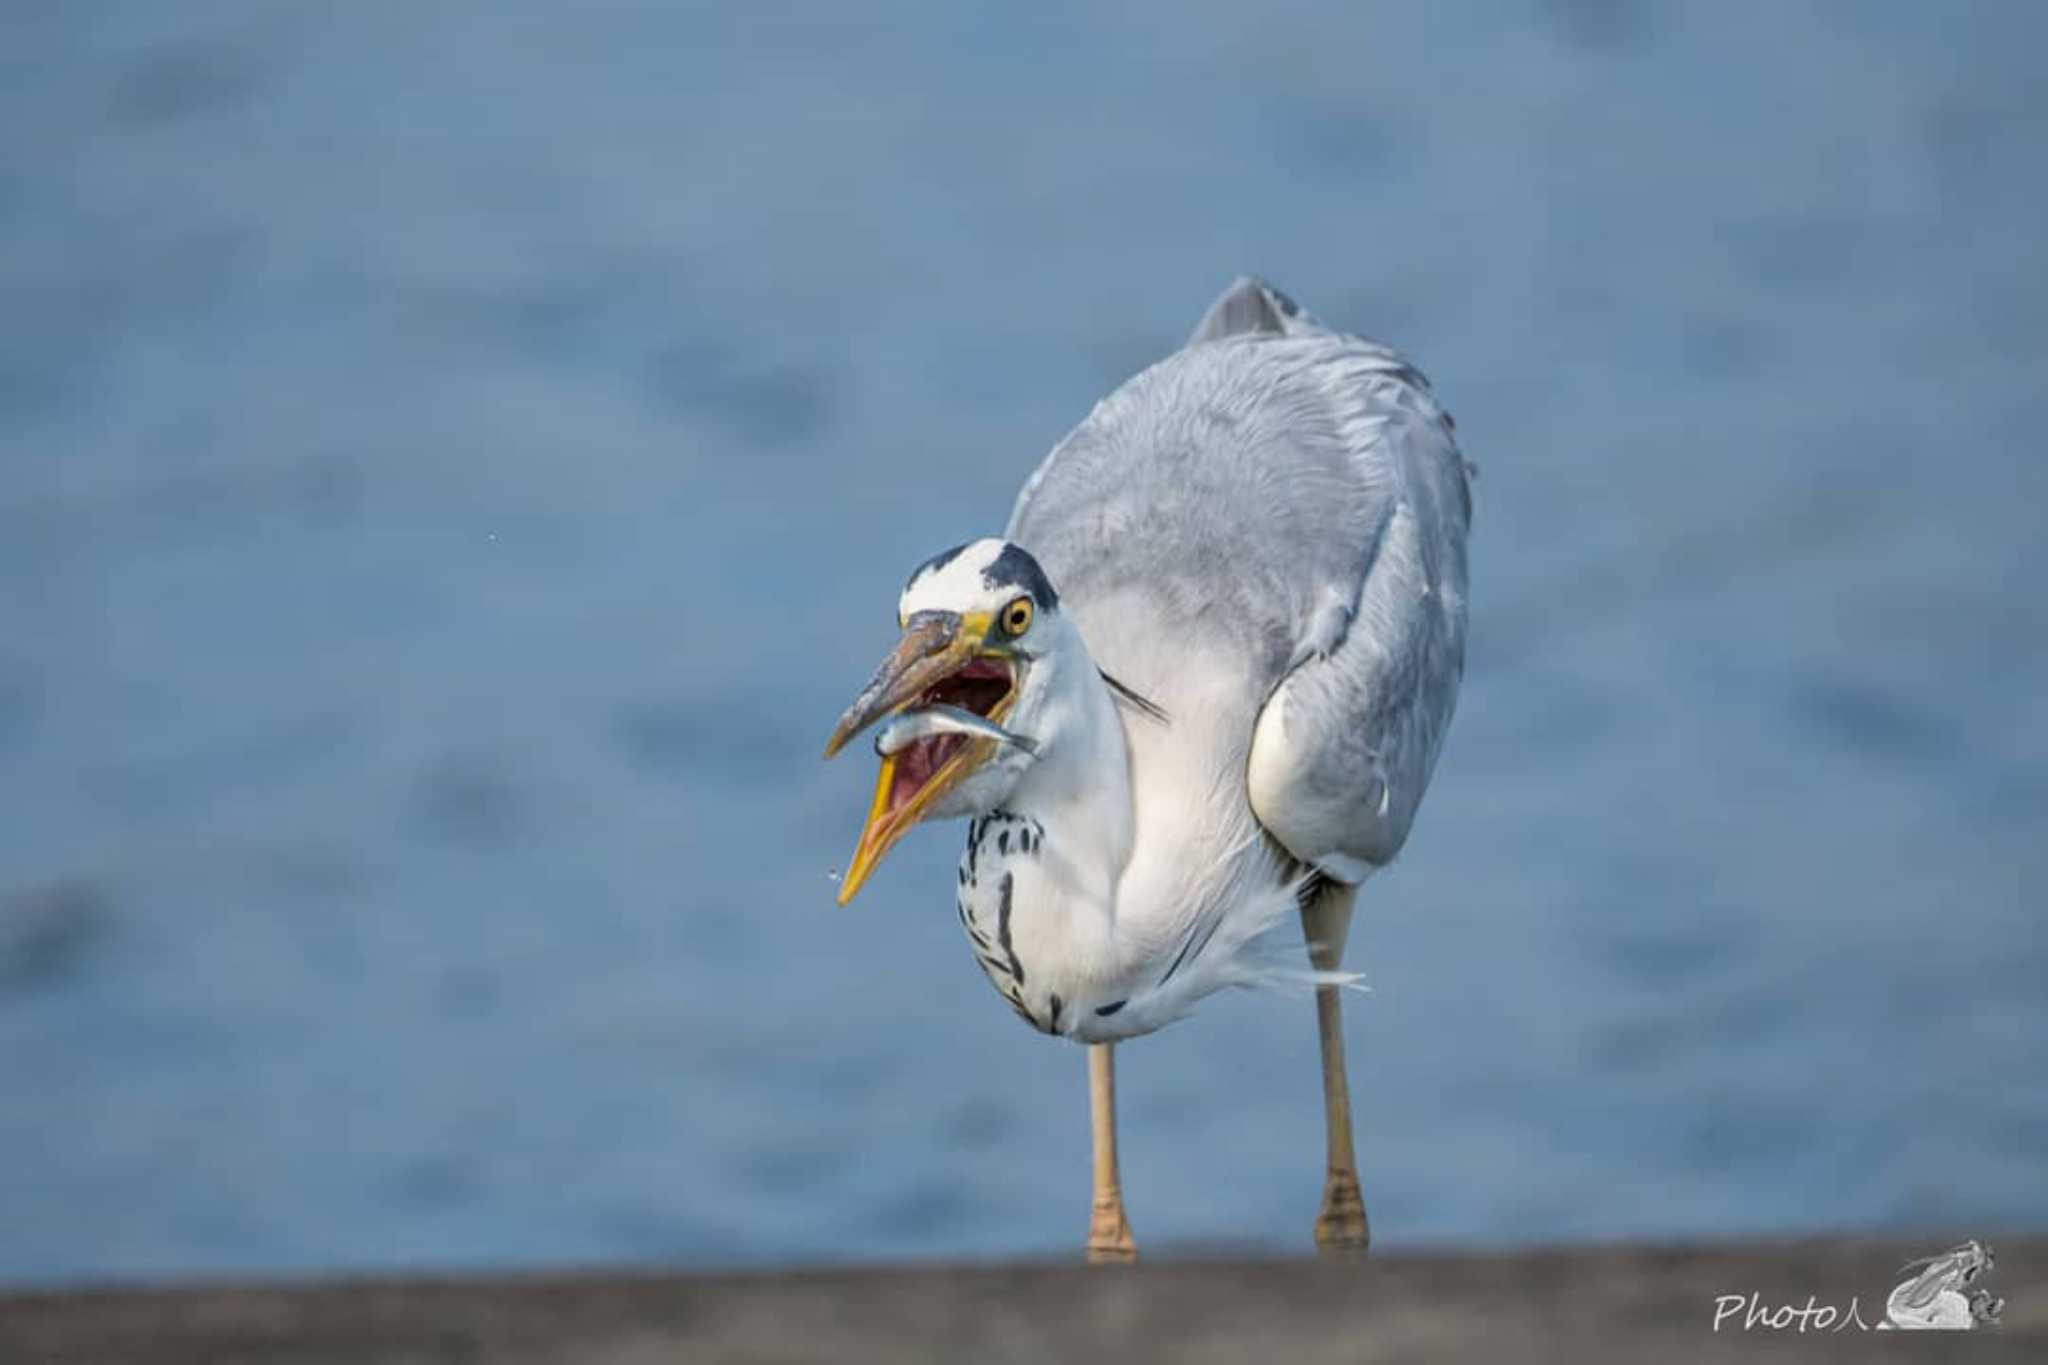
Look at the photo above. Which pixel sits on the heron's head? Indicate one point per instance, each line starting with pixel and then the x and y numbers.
pixel 968 693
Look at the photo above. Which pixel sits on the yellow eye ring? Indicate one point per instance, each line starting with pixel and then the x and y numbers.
pixel 1017 617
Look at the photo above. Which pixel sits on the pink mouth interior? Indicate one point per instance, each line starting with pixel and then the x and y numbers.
pixel 978 687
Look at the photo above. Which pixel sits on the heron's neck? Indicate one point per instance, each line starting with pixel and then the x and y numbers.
pixel 1038 881
pixel 1079 790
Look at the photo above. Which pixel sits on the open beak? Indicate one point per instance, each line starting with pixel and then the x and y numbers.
pixel 943 659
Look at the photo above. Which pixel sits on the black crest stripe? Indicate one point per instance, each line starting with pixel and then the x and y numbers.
pixel 1015 568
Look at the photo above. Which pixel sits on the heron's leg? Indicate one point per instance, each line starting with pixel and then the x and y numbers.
pixel 1109 1232
pixel 1326 922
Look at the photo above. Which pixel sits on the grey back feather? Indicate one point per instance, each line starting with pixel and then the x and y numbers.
pixel 1242 510
pixel 1251 305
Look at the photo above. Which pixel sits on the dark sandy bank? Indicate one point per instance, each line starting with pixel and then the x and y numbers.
pixel 1620 1304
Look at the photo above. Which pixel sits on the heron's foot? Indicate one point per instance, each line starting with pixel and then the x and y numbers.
pixel 1341 1228
pixel 1109 1235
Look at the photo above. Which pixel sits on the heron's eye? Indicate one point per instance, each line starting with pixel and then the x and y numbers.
pixel 1017 617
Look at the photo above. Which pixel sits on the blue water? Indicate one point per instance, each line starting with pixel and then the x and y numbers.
pixel 459 458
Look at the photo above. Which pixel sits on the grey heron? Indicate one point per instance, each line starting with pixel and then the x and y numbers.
pixel 1199 684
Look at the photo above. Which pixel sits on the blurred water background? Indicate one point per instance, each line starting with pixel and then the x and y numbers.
pixel 459 458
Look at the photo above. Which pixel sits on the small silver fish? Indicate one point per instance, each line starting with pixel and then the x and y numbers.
pixel 911 726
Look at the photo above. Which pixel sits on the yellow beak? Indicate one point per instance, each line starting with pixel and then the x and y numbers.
pixel 935 646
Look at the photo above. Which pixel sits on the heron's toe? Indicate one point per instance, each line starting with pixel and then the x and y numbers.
pixel 1341 1228
pixel 1109 1236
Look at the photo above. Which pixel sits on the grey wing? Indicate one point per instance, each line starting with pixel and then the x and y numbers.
pixel 1344 749
pixel 1282 506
